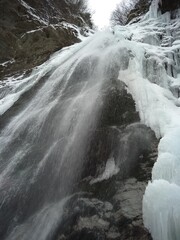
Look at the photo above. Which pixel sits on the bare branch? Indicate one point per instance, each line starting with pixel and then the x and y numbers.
pixel 119 15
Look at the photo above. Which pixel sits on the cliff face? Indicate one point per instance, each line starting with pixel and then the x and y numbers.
pixel 168 5
pixel 31 30
pixel 142 7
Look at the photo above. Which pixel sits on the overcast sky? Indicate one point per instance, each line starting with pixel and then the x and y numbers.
pixel 102 11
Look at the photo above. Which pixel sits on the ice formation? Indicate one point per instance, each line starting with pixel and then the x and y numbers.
pixel 153 80
pixel 110 170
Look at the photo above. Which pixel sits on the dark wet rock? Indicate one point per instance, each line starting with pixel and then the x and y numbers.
pixel 168 5
pixel 33 48
pixel 118 111
pixel 110 207
pixel 119 219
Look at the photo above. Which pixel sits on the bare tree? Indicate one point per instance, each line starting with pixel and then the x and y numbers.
pixel 78 6
pixel 120 14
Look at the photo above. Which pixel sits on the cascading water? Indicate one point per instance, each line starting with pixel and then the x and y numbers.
pixel 43 143
pixel 47 120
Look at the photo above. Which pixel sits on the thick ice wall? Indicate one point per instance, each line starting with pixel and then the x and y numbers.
pixel 162 210
pixel 153 80
pixel 154 10
pixel 158 105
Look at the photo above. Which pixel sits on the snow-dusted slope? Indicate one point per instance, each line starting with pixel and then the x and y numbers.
pixel 30 31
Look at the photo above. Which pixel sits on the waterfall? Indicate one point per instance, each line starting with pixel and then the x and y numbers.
pixel 44 143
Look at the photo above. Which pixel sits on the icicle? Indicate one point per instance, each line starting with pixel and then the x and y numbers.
pixel 154 9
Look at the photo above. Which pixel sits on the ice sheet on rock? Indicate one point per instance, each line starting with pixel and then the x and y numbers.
pixel 31 11
pixel 110 170
pixel 78 30
pixel 154 9
pixel 5 64
pixel 161 210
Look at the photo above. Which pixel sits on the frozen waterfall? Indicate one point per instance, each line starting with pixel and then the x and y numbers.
pixel 47 119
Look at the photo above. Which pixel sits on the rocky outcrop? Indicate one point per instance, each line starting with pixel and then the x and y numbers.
pixel 142 7
pixel 111 209
pixel 33 48
pixel 32 30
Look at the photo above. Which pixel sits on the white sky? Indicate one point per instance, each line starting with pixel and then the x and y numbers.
pixel 102 11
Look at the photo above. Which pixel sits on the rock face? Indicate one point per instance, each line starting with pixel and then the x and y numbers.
pixel 32 30
pixel 142 7
pixel 168 5
pixel 107 201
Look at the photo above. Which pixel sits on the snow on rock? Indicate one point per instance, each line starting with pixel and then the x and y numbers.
pixel 32 11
